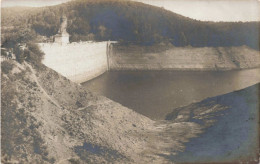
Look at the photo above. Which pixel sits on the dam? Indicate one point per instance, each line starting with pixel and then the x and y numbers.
pixel 156 78
pixel 79 62
pixel 83 61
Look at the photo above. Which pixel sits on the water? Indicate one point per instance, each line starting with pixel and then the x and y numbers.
pixel 157 93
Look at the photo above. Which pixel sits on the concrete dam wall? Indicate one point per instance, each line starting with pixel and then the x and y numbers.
pixel 84 61
pixel 78 62
pixel 182 58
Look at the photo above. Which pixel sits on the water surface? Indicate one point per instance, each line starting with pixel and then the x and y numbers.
pixel 156 93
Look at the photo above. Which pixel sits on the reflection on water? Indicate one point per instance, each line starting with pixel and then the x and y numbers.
pixel 157 93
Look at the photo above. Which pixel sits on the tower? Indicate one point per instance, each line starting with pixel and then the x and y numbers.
pixel 62 37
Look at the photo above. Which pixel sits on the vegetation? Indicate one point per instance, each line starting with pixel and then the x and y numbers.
pixel 19 136
pixel 127 22
pixel 35 55
pixel 6 67
pixel 31 54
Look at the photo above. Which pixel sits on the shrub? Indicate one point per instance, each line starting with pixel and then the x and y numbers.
pixel 19 54
pixel 31 54
pixel 6 67
pixel 34 54
pixel 3 52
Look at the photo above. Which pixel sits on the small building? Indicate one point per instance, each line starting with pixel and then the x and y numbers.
pixel 63 36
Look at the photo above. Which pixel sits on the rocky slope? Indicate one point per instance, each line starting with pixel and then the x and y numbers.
pixel 48 119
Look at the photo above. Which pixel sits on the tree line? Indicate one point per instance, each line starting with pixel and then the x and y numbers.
pixel 127 22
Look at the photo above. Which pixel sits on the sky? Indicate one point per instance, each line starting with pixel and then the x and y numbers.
pixel 212 10
pixel 31 3
pixel 205 10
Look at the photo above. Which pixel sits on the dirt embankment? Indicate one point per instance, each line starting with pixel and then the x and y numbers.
pixel 161 57
pixel 47 118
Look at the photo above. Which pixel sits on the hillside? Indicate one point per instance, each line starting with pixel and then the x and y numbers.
pixel 48 119
pixel 127 22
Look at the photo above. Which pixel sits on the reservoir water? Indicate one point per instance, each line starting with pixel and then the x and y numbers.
pixel 157 93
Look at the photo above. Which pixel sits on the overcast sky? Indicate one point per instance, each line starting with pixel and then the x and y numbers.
pixel 206 10
pixel 31 3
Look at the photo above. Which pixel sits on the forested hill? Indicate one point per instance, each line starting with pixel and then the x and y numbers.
pixel 124 21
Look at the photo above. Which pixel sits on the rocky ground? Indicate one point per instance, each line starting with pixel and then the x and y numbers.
pixel 46 118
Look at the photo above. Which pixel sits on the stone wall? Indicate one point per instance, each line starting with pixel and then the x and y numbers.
pixel 78 62
pixel 182 58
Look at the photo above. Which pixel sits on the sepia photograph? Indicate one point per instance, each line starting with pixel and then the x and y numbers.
pixel 130 81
